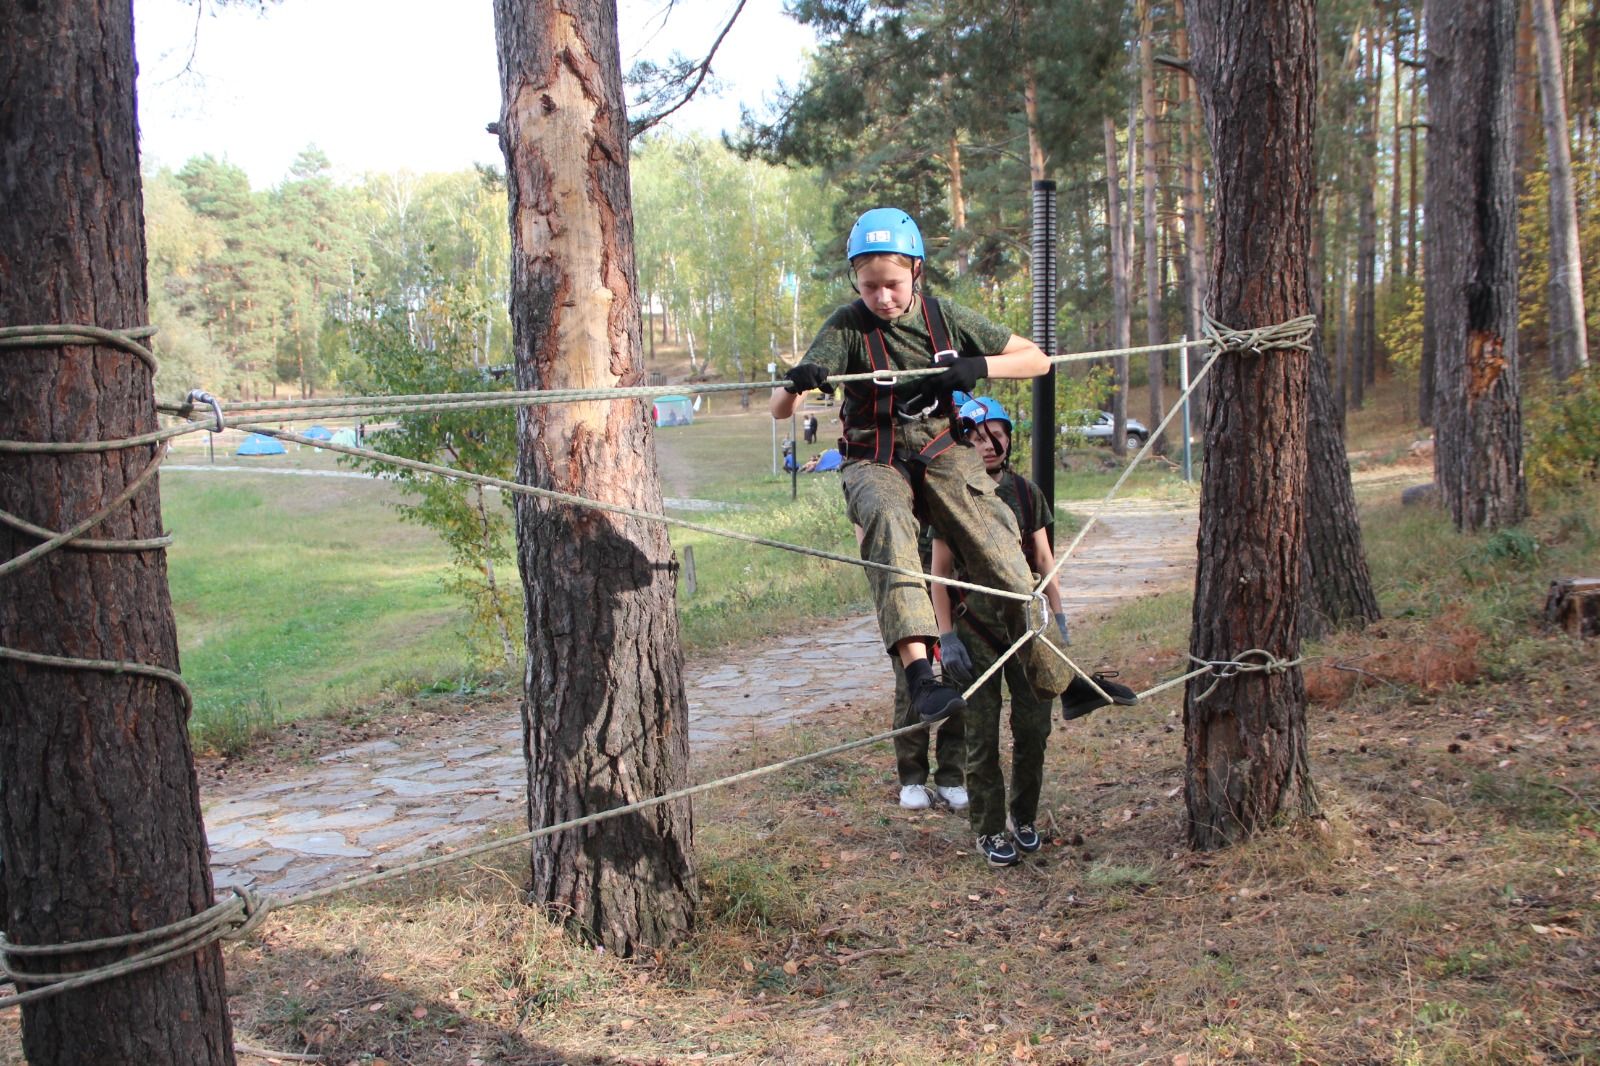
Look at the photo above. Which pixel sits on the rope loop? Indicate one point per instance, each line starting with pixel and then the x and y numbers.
pixel 1223 669
pixel 1295 334
pixel 69 335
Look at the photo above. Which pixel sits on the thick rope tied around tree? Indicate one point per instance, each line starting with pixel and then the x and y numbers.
pixel 1296 333
pixel 1254 661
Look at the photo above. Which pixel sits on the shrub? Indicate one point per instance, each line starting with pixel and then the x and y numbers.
pixel 1563 432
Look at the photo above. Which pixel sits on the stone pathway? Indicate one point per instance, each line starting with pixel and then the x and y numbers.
pixel 383 802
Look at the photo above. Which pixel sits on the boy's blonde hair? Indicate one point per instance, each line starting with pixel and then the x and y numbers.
pixel 897 258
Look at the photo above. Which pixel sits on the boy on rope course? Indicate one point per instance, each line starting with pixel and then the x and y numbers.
pixel 970 641
pixel 904 459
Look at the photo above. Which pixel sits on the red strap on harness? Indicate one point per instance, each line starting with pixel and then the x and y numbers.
pixel 881 397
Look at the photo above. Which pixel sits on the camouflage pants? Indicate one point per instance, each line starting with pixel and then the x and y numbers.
pixel 1030 730
pixel 911 749
pixel 959 499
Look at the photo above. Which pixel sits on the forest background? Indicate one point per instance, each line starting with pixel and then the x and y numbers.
pixel 948 110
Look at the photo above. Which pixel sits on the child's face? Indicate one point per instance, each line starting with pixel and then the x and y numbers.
pixel 992 442
pixel 885 285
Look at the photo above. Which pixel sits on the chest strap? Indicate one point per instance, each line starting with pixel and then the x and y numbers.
pixel 880 397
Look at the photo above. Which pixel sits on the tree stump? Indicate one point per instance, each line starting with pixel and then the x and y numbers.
pixel 1573 604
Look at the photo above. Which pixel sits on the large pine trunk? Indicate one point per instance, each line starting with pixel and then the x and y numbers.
pixel 605 717
pixel 100 827
pixel 1471 274
pixel 1254 63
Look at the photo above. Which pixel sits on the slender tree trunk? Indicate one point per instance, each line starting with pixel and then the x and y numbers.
pixel 1037 169
pixel 1569 341
pixel 1472 261
pixel 1194 213
pixel 604 719
pixel 99 806
pixel 1154 333
pixel 1368 241
pixel 1412 170
pixel 1255 72
pixel 1391 268
pixel 1342 352
pixel 1122 324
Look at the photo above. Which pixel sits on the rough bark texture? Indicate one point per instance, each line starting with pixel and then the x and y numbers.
pixel 1338 586
pixel 605 717
pixel 1255 71
pixel 99 810
pixel 1569 342
pixel 1470 228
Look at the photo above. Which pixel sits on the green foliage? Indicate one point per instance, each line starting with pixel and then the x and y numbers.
pixel 1563 432
pixel 431 349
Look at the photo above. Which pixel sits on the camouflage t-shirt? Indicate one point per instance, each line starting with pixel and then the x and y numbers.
pixel 841 345
pixel 1027 502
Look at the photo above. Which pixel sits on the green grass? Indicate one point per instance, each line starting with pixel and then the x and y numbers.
pixel 297 595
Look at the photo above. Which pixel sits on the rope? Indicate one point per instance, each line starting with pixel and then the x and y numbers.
pixel 38 551
pixel 1295 333
pixel 109 666
pixel 520 489
pixel 62 336
pixel 239 915
pixel 1223 669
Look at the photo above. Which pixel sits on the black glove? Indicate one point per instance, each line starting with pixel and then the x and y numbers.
pixel 957 661
pixel 959 376
pixel 803 377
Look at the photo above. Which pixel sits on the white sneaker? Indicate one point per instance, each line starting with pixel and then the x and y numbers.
pixel 955 795
pixel 915 797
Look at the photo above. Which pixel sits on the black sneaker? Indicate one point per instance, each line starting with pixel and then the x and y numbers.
pixel 934 700
pixel 998 850
pixel 1081 698
pixel 1027 838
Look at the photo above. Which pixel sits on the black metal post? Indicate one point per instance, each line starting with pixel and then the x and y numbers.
pixel 1044 335
pixel 794 475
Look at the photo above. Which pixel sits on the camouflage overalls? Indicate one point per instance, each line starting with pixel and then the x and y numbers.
pixel 977 623
pixel 954 493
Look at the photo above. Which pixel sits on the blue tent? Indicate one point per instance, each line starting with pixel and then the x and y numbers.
pixel 318 433
pixel 256 444
pixel 347 437
pixel 828 460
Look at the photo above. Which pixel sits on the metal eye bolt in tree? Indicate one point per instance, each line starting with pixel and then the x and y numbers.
pixel 100 831
pixel 605 718
pixel 1254 64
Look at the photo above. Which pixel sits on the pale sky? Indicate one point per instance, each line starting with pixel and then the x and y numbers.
pixel 398 84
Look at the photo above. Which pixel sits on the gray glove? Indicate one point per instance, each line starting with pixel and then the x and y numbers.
pixel 1061 624
pixel 957 661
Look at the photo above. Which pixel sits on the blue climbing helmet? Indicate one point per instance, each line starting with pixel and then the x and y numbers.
pixel 984 409
pixel 886 230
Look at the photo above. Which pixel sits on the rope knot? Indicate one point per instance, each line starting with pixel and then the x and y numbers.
pixel 1223 669
pixel 1295 333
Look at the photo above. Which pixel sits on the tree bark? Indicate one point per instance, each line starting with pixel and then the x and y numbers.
pixel 1154 331
pixel 99 806
pixel 1569 341
pixel 1122 318
pixel 1255 72
pixel 1338 586
pixel 604 715
pixel 1471 232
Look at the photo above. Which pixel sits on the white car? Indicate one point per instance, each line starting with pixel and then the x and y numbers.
pixel 1099 426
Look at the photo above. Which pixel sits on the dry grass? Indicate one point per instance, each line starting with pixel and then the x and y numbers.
pixel 1444 911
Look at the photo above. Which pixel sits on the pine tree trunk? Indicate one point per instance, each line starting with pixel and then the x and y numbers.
pixel 1569 342
pixel 1391 270
pixel 1338 586
pixel 1194 213
pixel 1154 333
pixel 605 718
pixel 99 806
pixel 1255 71
pixel 1122 324
pixel 1472 261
